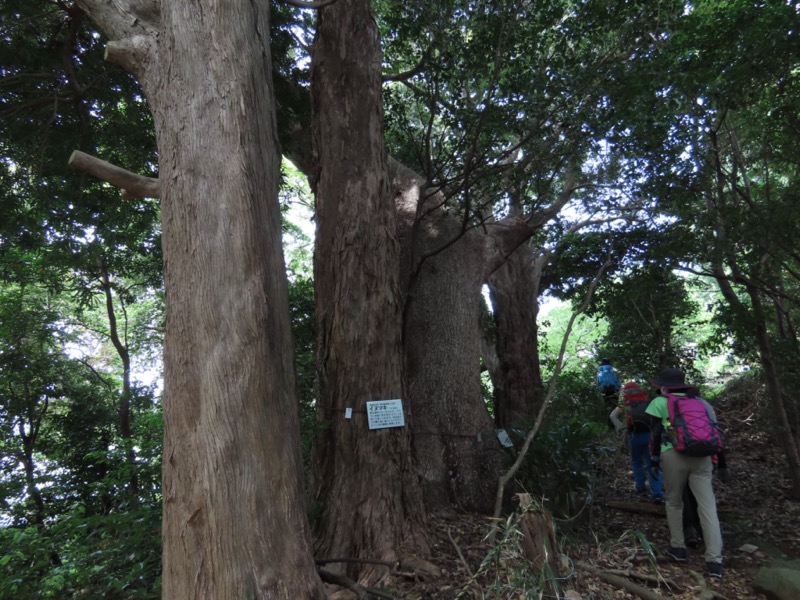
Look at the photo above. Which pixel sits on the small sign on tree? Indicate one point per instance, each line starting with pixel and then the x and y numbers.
pixel 385 413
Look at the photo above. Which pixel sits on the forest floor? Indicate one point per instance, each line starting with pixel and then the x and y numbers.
pixel 618 534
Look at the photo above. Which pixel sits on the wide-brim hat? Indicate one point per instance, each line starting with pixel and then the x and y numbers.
pixel 670 378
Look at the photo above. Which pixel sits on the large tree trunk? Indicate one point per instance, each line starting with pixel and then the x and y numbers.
pixel 454 435
pixel 445 267
pixel 234 516
pixel 514 289
pixel 364 477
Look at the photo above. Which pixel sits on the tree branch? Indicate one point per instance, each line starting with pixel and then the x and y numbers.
pixel 405 75
pixel 123 18
pixel 620 582
pixel 302 4
pixel 129 53
pixel 130 25
pixel 131 184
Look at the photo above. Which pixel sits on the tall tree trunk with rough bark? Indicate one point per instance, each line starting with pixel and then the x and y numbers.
pixel 455 444
pixel 364 478
pixel 445 266
pixel 514 291
pixel 234 515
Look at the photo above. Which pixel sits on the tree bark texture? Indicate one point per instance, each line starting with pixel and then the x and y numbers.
pixel 364 477
pixel 434 389
pixel 445 267
pixel 234 517
pixel 514 291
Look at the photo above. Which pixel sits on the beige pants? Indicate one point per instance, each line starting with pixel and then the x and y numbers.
pixel 679 470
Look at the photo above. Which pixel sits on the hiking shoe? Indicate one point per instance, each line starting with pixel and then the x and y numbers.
pixel 641 491
pixel 679 555
pixel 658 499
pixel 714 569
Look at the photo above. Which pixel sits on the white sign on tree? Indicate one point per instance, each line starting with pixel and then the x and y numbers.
pixel 385 413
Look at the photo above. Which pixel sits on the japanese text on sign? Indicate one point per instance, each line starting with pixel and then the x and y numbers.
pixel 385 413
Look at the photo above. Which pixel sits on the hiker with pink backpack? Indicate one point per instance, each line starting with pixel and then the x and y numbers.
pixel 685 437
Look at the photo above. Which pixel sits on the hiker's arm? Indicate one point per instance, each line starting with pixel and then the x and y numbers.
pixel 655 446
pixel 657 427
pixel 710 410
pixel 722 467
pixel 619 426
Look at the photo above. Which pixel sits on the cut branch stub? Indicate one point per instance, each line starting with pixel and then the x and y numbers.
pixel 131 184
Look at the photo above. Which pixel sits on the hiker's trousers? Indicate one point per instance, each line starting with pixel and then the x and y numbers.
pixel 640 463
pixel 679 470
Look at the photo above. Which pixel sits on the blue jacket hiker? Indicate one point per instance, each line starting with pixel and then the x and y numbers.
pixel 608 382
pixel 630 417
pixel 670 450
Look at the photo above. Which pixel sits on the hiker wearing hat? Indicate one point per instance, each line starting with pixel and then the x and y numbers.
pixel 637 423
pixel 675 456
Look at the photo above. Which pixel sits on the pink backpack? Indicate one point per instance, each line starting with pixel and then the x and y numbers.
pixel 692 430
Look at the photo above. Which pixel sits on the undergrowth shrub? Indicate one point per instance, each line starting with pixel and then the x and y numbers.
pixel 577 396
pixel 562 462
pixel 115 557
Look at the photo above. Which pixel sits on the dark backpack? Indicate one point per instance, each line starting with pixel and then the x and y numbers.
pixel 692 431
pixel 636 402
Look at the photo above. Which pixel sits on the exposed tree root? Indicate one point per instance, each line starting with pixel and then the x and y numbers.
pixel 366 561
pixel 620 582
pixel 460 555
pixel 361 592
pixel 636 507
pixel 342 581
pixel 657 579
pixel 706 593
pixel 413 568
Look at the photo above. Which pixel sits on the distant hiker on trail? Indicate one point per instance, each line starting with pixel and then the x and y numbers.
pixel 685 436
pixel 608 382
pixel 631 417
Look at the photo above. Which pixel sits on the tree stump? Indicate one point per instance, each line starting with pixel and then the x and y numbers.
pixel 538 537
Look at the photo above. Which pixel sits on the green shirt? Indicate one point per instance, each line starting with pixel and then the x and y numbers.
pixel 659 407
